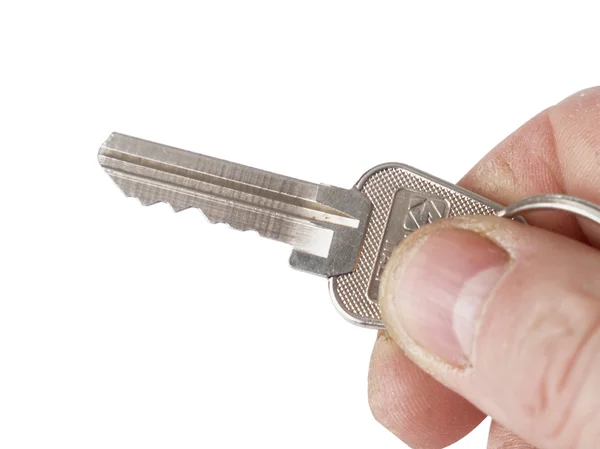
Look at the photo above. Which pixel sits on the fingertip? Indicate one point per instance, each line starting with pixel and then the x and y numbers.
pixel 557 151
pixel 590 95
pixel 411 404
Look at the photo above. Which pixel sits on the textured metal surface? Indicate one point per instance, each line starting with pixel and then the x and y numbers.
pixel 324 224
pixel 403 200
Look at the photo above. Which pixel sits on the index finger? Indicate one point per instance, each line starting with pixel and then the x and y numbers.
pixel 558 151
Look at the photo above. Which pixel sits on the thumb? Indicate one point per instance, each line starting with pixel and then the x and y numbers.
pixel 508 316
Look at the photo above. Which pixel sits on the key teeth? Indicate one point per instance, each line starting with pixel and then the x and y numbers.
pixel 180 208
pixel 148 201
pixel 151 202
pixel 129 191
pixel 216 221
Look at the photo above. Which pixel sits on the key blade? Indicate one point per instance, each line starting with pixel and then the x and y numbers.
pixel 324 224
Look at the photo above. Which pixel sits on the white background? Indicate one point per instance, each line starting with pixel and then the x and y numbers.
pixel 123 326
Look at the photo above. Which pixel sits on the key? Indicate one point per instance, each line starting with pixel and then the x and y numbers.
pixel 346 235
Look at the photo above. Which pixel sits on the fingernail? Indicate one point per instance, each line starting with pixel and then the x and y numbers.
pixel 437 295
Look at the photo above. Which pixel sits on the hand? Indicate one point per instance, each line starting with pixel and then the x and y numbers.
pixel 504 317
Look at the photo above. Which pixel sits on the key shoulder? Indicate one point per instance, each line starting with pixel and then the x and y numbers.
pixel 346 240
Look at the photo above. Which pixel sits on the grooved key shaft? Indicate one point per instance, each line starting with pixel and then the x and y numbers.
pixel 324 224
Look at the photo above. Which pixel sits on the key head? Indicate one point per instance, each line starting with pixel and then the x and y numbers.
pixel 403 200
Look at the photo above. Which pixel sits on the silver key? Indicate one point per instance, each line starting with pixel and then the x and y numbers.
pixel 346 235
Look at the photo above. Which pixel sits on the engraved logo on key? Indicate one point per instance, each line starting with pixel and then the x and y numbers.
pixel 410 211
pixel 422 210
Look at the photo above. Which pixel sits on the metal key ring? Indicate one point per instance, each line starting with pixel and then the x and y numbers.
pixel 577 206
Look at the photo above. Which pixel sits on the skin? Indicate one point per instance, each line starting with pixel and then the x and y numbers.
pixel 534 365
